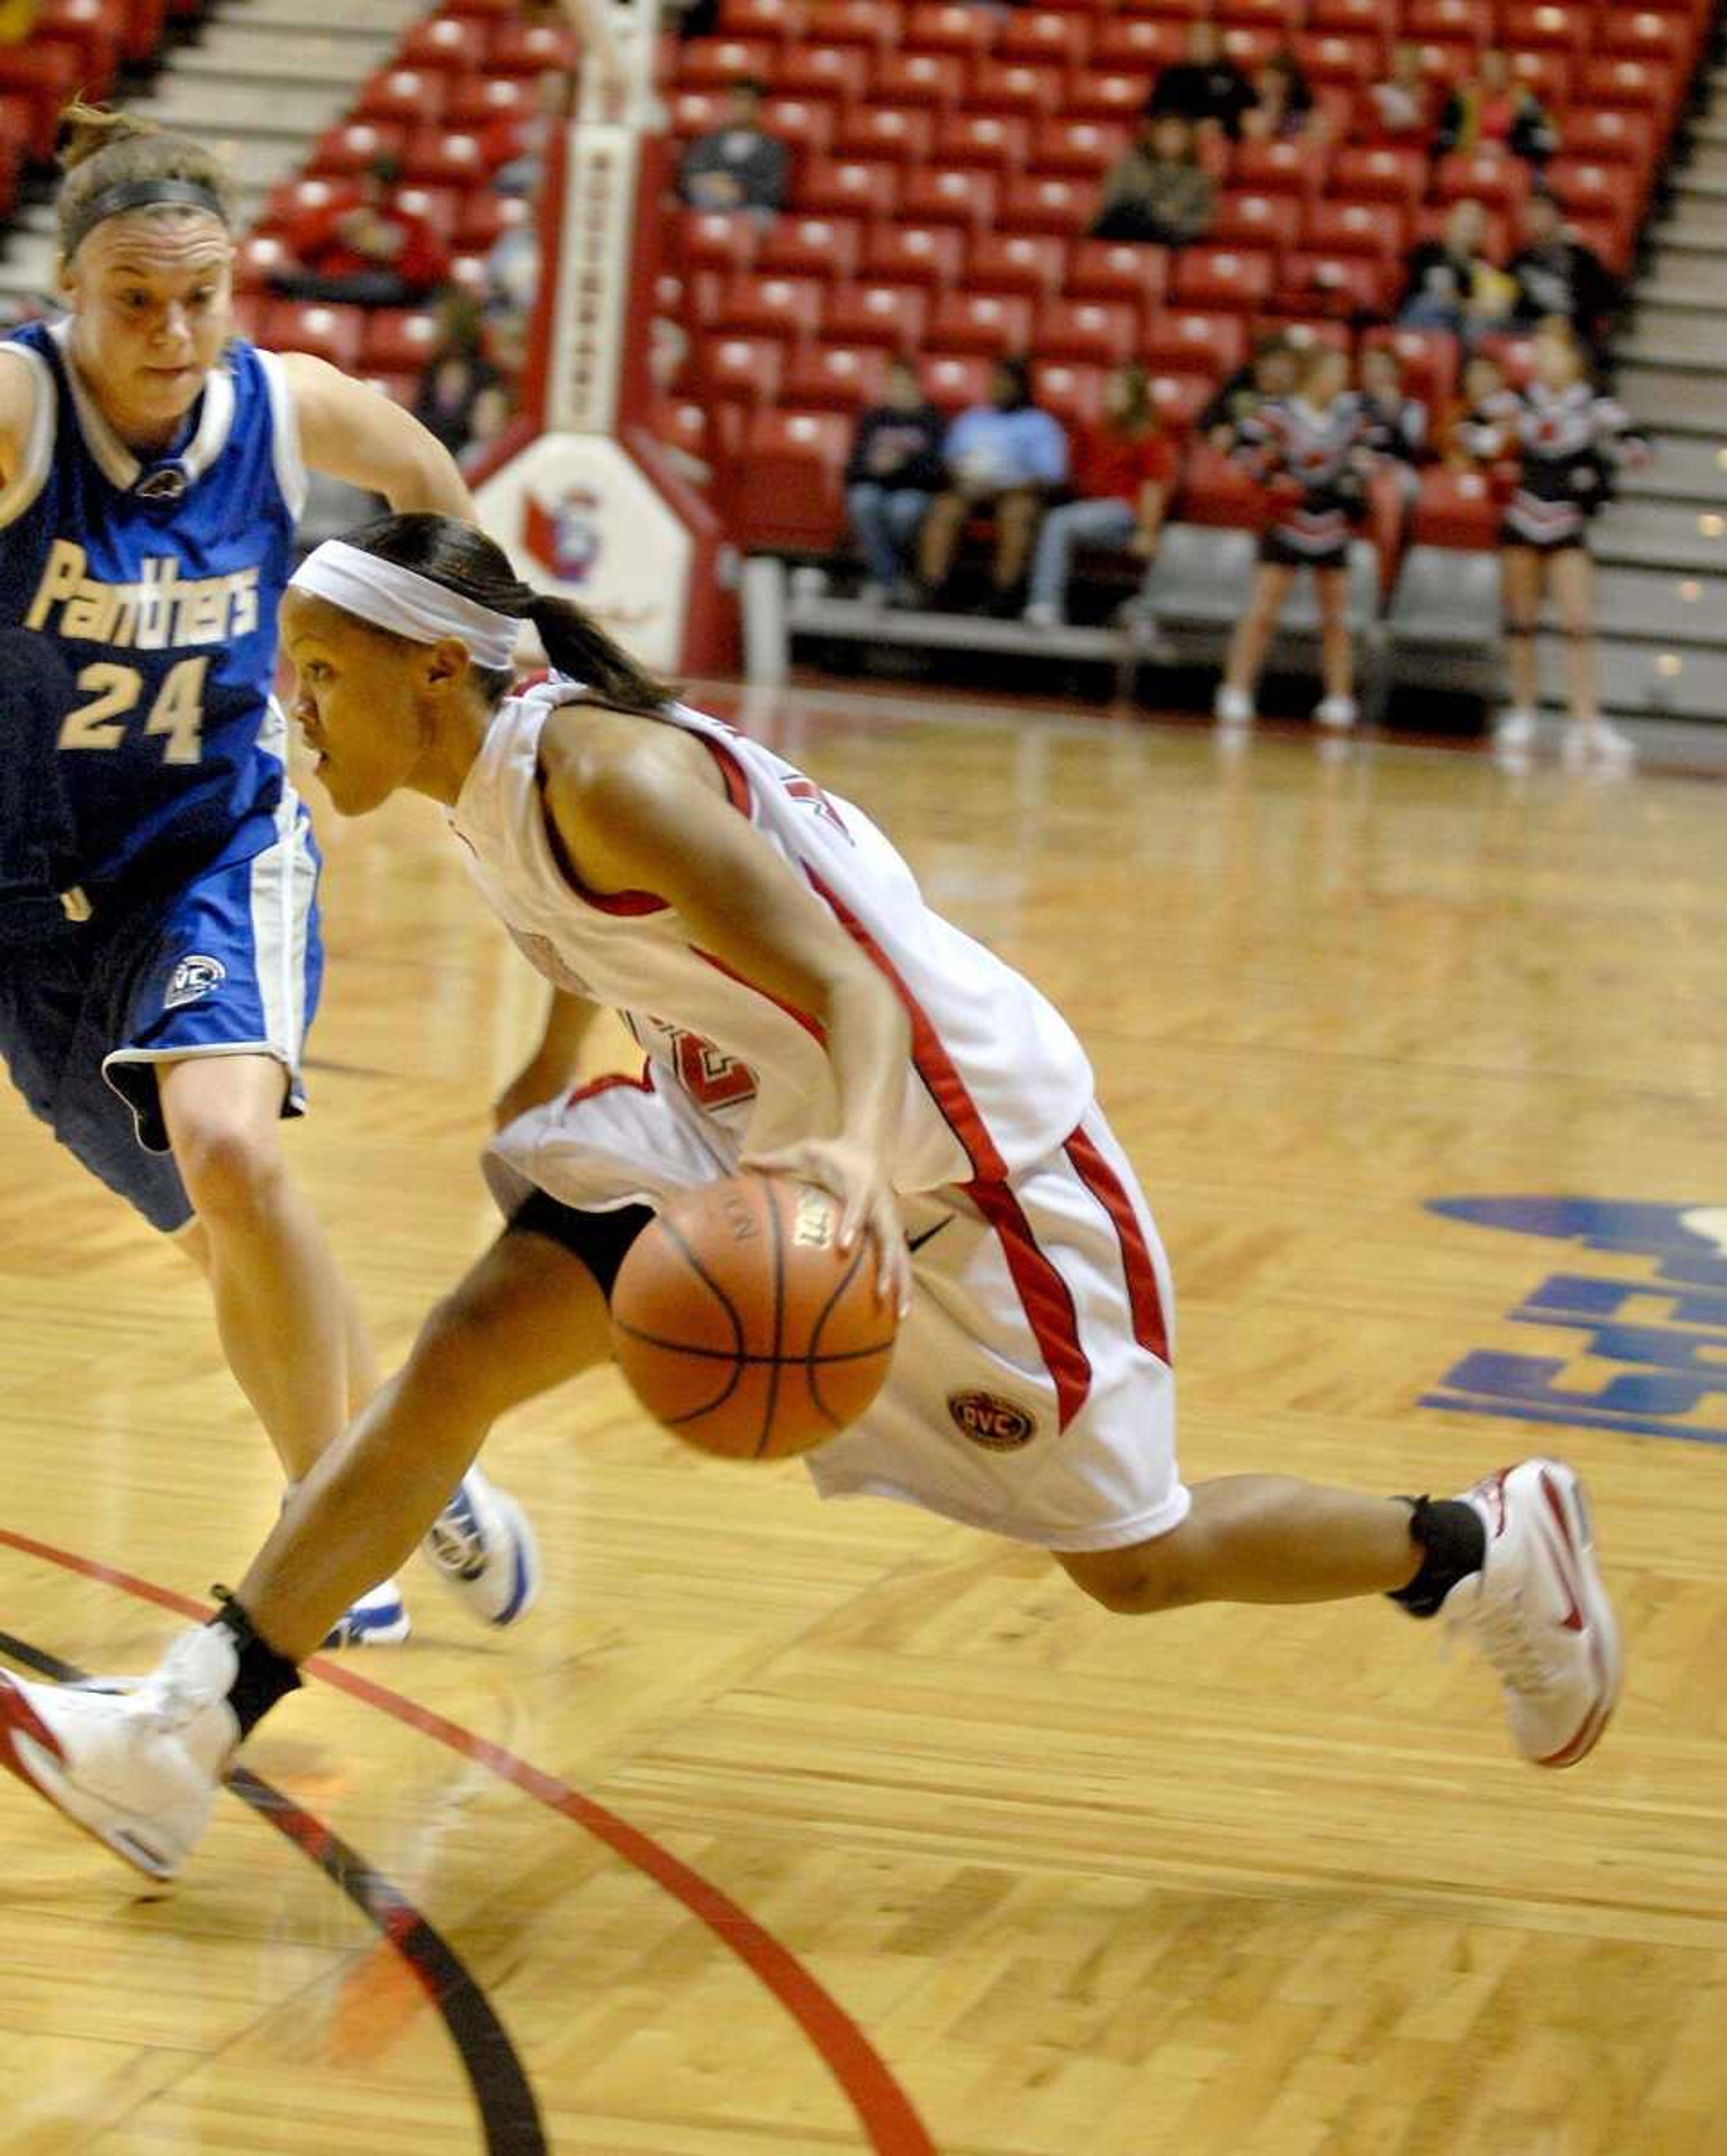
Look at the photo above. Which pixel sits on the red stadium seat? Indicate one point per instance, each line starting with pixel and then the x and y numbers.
pixel 782 20
pixel 1449 22
pixel 1014 88
pixel 871 24
pixel 1329 57
pixel 1356 228
pixel 1454 509
pixel 352 148
pixel 1533 26
pixel 947 26
pixel 532 49
pixel 1349 18
pixel 1226 279
pixel 1634 85
pixel 1610 237
pixel 337 334
pixel 691 112
pixel 397 341
pixel 1042 33
pixel 990 323
pixel 932 80
pixel 1136 44
pixel 1035 263
pixel 254 258
pixel 1513 353
pixel 841 186
pixel 1346 286
pixel 1639 34
pixel 954 381
pixel 714 63
pixel 887 317
pixel 481 216
pixel 787 487
pixel 886 133
pixel 447 41
pixel 932 254
pixel 1280 168
pixel 982 141
pixel 789 308
pixel 1089 332
pixel 741 370
pixel 1215 489
pixel 946 197
pixel 1180 398
pixel 1186 343
pixel 833 74
pixel 1608 135
pixel 1072 392
pixel 1077 149
pixel 45 76
pixel 1115 99
pixel 713 239
pixel 1063 206
pixel 803 126
pixel 810 246
pixel 1491 178
pixel 1429 358
pixel 443 159
pixel 1256 221
pixel 478 103
pixel 834 377
pixel 1381 174
pixel 91 30
pixel 1496 238
pixel 1119 269
pixel 407 94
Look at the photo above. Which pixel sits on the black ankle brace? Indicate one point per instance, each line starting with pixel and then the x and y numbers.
pixel 263 1676
pixel 1454 1543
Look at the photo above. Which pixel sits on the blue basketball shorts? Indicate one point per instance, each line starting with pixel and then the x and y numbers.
pixel 228 963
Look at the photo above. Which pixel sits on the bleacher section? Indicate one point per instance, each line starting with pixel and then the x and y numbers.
pixel 948 159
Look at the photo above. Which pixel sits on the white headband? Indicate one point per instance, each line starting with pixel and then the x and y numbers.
pixel 405 602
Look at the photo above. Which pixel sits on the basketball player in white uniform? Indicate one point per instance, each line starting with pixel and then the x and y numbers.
pixel 801 1009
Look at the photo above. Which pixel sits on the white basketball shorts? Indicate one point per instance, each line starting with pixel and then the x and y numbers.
pixel 1031 1394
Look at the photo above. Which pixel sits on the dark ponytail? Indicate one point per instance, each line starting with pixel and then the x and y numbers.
pixel 466 561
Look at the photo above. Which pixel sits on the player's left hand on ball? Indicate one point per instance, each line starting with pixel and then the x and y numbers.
pixel 856 1178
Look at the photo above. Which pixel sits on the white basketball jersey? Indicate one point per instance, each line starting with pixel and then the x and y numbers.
pixel 997 1080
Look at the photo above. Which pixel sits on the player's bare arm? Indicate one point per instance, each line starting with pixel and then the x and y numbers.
pixel 569 1020
pixel 634 812
pixel 351 432
pixel 17 411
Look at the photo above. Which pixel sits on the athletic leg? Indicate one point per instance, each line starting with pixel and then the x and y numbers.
pixel 1337 650
pixel 1520 592
pixel 1252 634
pixel 1572 573
pixel 939 536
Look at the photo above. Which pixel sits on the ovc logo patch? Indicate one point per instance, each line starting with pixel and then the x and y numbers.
pixel 195 977
pixel 1651 1346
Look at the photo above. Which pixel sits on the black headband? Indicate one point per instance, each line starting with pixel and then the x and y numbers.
pixel 137 194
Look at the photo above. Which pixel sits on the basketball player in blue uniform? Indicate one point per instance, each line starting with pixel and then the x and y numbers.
pixel 160 957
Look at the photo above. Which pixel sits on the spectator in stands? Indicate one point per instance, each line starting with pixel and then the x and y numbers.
pixel 894 471
pixel 1450 285
pixel 1401 106
pixel 1556 274
pixel 1273 371
pixel 739 166
pixel 1568 443
pixel 1492 109
pixel 1311 450
pixel 362 249
pixel 1283 110
pixel 1159 191
pixel 1206 88
pixel 532 138
pixel 1122 474
pixel 1004 456
pixel 463 400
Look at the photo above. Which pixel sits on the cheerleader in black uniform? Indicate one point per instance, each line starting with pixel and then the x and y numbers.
pixel 1313 450
pixel 1564 442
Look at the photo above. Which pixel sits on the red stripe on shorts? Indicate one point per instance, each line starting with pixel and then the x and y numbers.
pixel 1144 1298
pixel 1044 1295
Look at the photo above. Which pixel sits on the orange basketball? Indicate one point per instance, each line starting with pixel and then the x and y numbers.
pixel 742 1327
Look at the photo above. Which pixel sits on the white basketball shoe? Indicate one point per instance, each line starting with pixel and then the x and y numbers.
pixel 138 1769
pixel 1538 1612
pixel 483 1549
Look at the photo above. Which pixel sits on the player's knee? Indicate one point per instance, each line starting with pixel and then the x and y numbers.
pixel 1164 1574
pixel 233 1171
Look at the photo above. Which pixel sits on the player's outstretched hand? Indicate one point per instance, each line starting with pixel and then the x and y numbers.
pixel 856 1178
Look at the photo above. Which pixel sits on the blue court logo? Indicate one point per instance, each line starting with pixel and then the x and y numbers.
pixel 1648 1352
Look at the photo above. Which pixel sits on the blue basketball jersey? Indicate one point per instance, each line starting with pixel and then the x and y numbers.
pixel 158 582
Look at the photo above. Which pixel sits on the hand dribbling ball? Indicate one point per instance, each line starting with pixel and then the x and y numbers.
pixel 742 1326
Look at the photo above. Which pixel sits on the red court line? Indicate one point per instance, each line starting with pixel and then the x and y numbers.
pixel 883 2109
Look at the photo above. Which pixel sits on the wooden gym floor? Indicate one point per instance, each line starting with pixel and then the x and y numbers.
pixel 785 1829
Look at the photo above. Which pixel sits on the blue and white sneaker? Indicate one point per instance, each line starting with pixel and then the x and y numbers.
pixel 379 1619
pixel 483 1549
